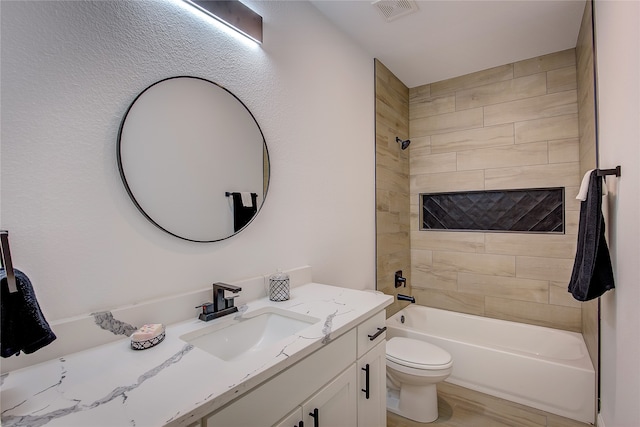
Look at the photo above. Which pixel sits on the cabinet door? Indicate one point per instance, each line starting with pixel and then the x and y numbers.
pixel 294 419
pixel 335 405
pixel 372 391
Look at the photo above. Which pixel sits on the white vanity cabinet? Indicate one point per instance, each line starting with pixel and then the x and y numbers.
pixel 334 405
pixel 328 388
pixel 372 373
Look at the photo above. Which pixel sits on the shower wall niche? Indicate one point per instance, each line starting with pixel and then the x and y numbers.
pixel 525 211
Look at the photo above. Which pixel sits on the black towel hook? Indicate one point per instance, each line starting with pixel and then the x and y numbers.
pixel 6 261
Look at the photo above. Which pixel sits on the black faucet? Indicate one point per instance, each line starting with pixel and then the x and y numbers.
pixel 402 297
pixel 221 306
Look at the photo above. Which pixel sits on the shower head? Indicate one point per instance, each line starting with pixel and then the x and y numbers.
pixel 403 143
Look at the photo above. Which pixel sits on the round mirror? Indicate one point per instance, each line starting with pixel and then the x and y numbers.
pixel 193 159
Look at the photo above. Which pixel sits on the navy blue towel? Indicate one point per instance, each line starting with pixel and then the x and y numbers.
pixel 23 326
pixel 242 215
pixel 592 274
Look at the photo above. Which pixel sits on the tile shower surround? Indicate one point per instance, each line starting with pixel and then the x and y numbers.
pixel 509 127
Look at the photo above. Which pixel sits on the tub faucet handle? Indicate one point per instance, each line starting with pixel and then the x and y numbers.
pixel 399 280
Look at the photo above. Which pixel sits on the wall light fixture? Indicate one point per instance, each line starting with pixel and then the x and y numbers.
pixel 233 14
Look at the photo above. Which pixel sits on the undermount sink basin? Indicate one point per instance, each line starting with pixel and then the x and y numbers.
pixel 235 339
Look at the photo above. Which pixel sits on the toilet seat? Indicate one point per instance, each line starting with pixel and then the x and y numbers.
pixel 417 354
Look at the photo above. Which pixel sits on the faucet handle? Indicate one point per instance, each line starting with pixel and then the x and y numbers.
pixel 206 307
pixel 228 301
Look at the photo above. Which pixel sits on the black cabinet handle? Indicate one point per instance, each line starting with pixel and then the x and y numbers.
pixel 377 334
pixel 300 424
pixel 316 417
pixel 366 381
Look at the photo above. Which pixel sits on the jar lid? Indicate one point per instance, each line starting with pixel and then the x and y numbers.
pixel 279 275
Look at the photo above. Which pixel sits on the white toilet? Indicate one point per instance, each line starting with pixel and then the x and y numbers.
pixel 413 369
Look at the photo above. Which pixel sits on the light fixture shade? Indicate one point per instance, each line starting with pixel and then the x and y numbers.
pixel 233 14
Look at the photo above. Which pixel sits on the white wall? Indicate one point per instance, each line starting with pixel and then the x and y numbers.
pixel 69 72
pixel 618 58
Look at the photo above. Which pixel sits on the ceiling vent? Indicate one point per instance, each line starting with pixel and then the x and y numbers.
pixel 394 9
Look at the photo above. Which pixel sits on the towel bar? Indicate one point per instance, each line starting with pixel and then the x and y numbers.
pixel 230 193
pixel 6 261
pixel 606 172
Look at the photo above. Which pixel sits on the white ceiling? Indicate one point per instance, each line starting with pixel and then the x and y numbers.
pixel 450 38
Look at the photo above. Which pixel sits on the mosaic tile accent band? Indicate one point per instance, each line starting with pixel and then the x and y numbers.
pixel 525 210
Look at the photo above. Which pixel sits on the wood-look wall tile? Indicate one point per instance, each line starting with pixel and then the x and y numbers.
pixel 559 295
pixel 571 222
pixel 392 97
pixel 447 181
pixel 560 127
pixel 389 116
pixel 448 241
pixel 543 63
pixel 450 300
pixel 430 277
pixel 449 122
pixel 388 179
pixel 588 157
pixel 419 93
pixel 492 75
pixel 432 106
pixel 461 262
pixel 420 144
pixel 506 287
pixel 570 193
pixel 388 104
pixel 421 257
pixel 561 79
pixel 392 181
pixel 506 156
pixel 492 136
pixel 541 176
pixel 555 104
pixel 398 202
pixel 382 200
pixel 390 243
pixel 418 156
pixel 388 222
pixel 388 80
pixel 432 163
pixel 544 245
pixel 387 159
pixel 553 316
pixel 564 150
pixel 541 268
pixel 503 91
pixel 390 262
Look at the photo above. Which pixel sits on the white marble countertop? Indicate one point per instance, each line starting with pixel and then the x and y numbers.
pixel 173 383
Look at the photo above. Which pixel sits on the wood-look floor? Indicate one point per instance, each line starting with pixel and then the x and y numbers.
pixel 461 407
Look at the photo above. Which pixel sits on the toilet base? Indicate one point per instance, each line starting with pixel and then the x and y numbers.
pixel 417 403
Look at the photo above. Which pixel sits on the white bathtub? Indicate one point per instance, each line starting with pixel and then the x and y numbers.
pixel 544 368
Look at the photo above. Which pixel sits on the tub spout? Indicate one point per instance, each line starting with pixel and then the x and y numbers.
pixel 402 297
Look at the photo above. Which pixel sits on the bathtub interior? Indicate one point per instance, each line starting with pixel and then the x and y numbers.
pixel 543 368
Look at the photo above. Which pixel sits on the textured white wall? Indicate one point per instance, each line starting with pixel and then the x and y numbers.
pixel 618 57
pixel 69 72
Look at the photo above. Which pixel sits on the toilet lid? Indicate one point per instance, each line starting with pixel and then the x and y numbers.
pixel 415 353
